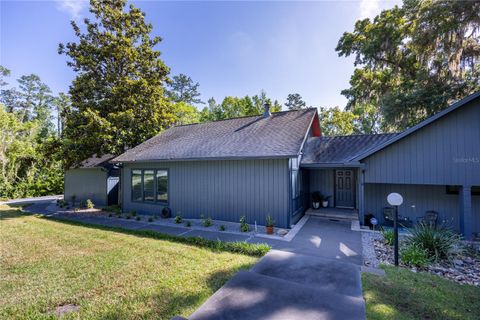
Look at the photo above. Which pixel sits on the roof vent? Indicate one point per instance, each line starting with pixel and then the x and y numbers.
pixel 266 112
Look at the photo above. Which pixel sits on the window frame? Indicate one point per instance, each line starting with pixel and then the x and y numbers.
pixel 155 188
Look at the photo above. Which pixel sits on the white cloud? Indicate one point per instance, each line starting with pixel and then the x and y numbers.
pixel 371 8
pixel 72 7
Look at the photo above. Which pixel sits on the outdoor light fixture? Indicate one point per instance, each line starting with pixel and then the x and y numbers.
pixel 395 199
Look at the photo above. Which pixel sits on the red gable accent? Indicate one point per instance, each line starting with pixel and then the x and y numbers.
pixel 316 132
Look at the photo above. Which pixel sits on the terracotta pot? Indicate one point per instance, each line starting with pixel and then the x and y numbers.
pixel 269 230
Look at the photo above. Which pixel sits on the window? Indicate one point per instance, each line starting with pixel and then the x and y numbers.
pixel 456 190
pixel 150 185
pixel 137 185
pixel 162 185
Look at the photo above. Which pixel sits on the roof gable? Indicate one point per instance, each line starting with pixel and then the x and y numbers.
pixel 280 135
pixel 417 127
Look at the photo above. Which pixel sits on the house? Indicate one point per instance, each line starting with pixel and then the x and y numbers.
pixel 271 163
pixel 95 179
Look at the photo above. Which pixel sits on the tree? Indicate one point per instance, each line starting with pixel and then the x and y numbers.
pixel 183 89
pixel 335 121
pixel 232 107
pixel 413 61
pixel 118 98
pixel 62 105
pixel 295 102
pixel 186 114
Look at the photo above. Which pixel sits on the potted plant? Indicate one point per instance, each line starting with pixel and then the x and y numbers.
pixel 269 224
pixel 316 199
pixel 325 201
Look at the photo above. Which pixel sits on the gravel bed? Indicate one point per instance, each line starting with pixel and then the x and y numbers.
pixel 463 269
pixel 368 251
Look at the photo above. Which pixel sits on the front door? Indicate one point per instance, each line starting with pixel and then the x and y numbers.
pixel 344 189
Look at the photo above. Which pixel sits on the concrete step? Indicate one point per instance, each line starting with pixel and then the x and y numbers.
pixel 333 215
pixel 250 295
pixel 312 271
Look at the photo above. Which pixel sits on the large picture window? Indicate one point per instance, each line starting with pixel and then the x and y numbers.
pixel 150 185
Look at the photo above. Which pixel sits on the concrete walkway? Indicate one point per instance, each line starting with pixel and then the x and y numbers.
pixel 314 276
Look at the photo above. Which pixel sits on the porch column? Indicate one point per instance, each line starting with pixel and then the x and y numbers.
pixel 466 218
pixel 361 194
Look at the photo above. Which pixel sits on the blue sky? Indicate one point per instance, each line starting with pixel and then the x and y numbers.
pixel 230 48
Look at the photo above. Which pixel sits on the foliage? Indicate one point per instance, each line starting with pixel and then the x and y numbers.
pixel 414 256
pixel 222 228
pixel 335 121
pixel 232 107
pixel 439 242
pixel 316 196
pixel 28 163
pixel 150 219
pixel 89 204
pixel 244 227
pixel 185 114
pixel 188 224
pixel 178 219
pixel 388 236
pixel 138 218
pixel 117 97
pixel 403 294
pixel 269 222
pixel 133 213
pixel 69 262
pixel 183 89
pixel 295 102
pixel 206 222
pixel 412 61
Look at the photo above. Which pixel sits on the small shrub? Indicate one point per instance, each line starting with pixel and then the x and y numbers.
pixel 439 241
pixel 82 204
pixel 119 215
pixel 118 211
pixel 414 256
pixel 138 218
pixel 133 213
pixel 128 217
pixel 388 237
pixel 244 227
pixel 206 222
pixel 188 224
pixel 222 228
pixel 89 204
pixel 73 198
pixel 110 215
pixel 269 222
pixel 178 219
pixel 150 219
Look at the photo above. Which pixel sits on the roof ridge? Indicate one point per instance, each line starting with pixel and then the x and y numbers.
pixel 363 134
pixel 243 117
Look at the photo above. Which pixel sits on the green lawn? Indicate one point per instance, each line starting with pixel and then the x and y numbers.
pixel 110 274
pixel 403 294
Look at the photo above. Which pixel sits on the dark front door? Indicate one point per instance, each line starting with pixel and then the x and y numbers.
pixel 344 189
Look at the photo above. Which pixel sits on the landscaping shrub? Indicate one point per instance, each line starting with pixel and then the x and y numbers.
pixel 388 236
pixel 150 219
pixel 207 222
pixel 178 219
pixel 128 217
pixel 73 198
pixel 188 224
pixel 133 213
pixel 89 204
pixel 221 228
pixel 244 227
pixel 138 218
pixel 414 256
pixel 439 241
pixel 82 204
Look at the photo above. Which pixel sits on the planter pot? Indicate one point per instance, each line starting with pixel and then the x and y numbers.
pixel 269 230
pixel 324 204
pixel 316 205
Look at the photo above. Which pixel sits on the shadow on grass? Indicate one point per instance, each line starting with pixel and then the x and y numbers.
pixel 403 294
pixel 251 249
pixel 14 212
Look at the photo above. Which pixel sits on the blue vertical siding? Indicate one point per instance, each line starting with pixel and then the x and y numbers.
pixel 322 180
pixel 223 190
pixel 445 152
pixel 417 200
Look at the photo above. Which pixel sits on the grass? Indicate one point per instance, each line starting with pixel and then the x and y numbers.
pixel 109 273
pixel 403 294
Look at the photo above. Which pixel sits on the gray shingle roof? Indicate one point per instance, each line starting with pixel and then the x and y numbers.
pixel 95 161
pixel 340 149
pixel 280 135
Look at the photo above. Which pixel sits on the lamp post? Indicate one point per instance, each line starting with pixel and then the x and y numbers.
pixel 395 199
